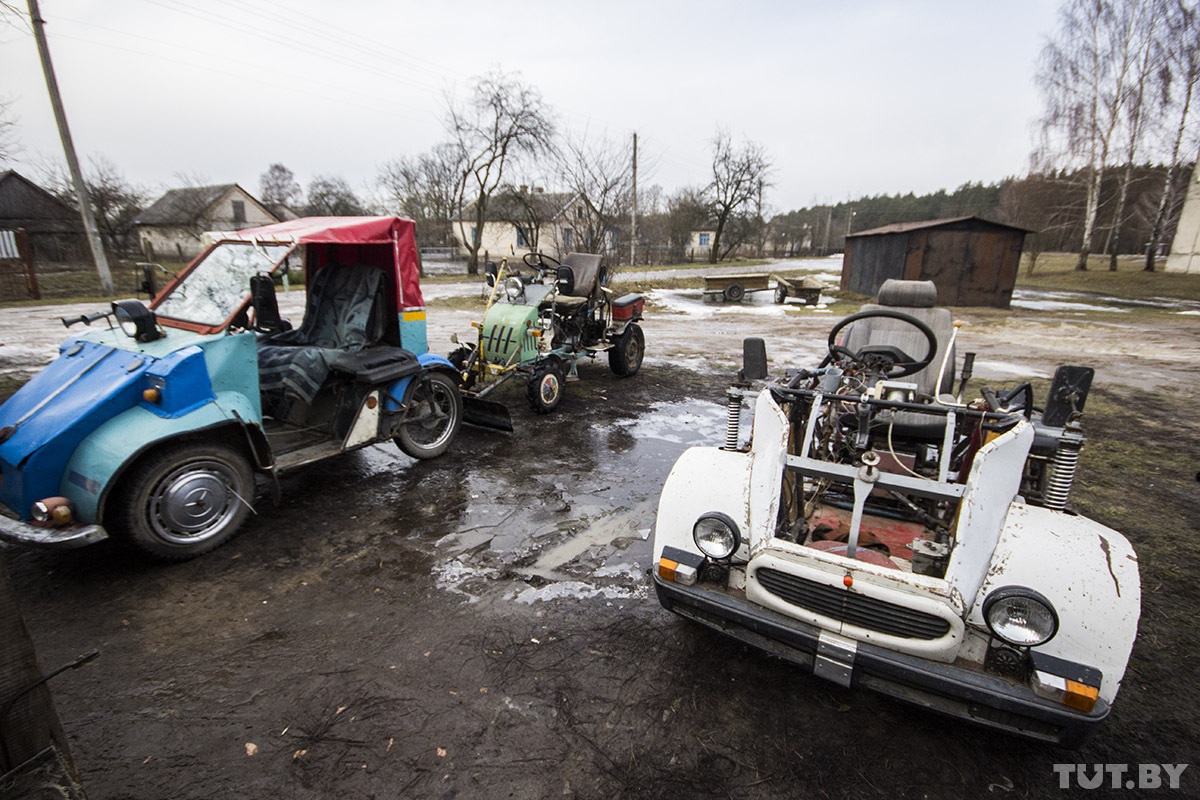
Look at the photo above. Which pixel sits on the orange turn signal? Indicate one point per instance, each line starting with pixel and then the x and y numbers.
pixel 666 569
pixel 152 395
pixel 1080 696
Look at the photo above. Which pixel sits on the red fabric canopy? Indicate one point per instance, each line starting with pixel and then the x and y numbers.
pixel 396 231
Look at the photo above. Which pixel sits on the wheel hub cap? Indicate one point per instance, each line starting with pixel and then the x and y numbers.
pixel 193 501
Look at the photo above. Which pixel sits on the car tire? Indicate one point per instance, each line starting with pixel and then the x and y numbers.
pixel 437 410
pixel 734 292
pixel 545 387
pixel 183 500
pixel 625 356
pixel 780 293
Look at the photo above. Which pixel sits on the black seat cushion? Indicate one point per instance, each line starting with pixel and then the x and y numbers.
pixel 377 365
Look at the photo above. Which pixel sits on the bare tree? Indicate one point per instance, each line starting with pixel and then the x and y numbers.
pixel 503 119
pixel 425 189
pixel 1181 72
pixel 599 174
pixel 115 201
pixel 1145 44
pixel 739 176
pixel 9 144
pixel 278 186
pixel 1084 74
pixel 331 196
pixel 687 210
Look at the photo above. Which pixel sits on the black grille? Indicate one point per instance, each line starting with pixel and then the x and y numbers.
pixel 855 609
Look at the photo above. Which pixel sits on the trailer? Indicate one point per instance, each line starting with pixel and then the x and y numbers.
pixel 734 288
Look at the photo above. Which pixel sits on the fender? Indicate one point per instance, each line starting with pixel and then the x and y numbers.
pixel 1098 600
pixel 97 464
pixel 428 361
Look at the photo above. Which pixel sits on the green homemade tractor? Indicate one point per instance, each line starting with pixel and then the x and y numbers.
pixel 538 325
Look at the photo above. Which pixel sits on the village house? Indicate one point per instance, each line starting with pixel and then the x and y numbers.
pixel 171 228
pixel 54 229
pixel 555 223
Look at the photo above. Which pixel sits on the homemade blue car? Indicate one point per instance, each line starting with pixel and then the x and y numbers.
pixel 152 427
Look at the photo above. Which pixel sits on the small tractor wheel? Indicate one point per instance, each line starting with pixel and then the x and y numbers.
pixel 625 356
pixel 780 293
pixel 734 292
pixel 545 387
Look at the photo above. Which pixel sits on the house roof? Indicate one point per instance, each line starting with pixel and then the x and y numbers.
pixel 509 206
pixel 183 206
pixel 905 227
pixel 22 201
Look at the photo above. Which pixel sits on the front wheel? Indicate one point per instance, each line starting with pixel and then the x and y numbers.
pixel 433 411
pixel 625 356
pixel 780 293
pixel 185 500
pixel 545 388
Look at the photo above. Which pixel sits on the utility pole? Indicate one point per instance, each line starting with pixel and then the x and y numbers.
pixel 633 211
pixel 60 116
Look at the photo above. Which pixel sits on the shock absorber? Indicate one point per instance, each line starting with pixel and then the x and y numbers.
pixel 733 419
pixel 1063 465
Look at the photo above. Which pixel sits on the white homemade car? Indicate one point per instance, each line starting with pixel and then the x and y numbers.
pixel 885 534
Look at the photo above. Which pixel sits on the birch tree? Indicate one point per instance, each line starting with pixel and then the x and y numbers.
pixel 1085 74
pixel 1181 74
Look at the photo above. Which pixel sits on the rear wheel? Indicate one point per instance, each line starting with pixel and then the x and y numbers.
pixel 780 293
pixel 734 292
pixel 625 356
pixel 433 412
pixel 545 388
pixel 185 500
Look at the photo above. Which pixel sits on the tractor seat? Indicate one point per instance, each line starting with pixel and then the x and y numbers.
pixel 586 268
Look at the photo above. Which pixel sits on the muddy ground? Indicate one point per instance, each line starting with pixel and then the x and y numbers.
pixel 481 625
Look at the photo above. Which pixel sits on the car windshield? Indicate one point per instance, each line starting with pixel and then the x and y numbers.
pixel 219 284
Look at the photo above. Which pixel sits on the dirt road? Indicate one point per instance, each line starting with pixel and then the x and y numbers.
pixel 480 625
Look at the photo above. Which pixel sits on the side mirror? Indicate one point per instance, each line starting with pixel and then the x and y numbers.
pixel 1068 393
pixel 754 360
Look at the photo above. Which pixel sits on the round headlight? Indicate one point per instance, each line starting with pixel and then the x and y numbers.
pixel 514 288
pixel 1020 616
pixel 136 321
pixel 716 535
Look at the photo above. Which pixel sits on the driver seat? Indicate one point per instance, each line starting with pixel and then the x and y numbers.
pixel 916 299
pixel 586 269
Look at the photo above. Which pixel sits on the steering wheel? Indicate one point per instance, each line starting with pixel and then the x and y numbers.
pixel 539 261
pixel 898 359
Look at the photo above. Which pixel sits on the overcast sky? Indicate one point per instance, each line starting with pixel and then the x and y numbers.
pixel 847 98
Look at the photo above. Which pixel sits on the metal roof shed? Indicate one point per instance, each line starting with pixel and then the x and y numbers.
pixel 973 261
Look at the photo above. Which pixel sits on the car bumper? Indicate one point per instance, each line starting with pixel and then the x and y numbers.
pixel 24 533
pixel 964 693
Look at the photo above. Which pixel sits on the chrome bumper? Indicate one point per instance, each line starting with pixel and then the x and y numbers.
pixel 24 533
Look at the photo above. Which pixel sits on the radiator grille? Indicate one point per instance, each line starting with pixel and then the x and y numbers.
pixel 852 608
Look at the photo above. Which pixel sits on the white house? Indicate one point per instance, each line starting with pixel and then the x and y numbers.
pixel 171 227
pixel 554 223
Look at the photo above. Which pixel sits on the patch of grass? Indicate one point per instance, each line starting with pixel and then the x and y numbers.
pixel 1056 271
pixel 469 302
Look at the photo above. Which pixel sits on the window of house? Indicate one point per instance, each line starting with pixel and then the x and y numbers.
pixel 239 211
pixel 522 238
pixel 568 238
pixel 704 240
pixel 473 239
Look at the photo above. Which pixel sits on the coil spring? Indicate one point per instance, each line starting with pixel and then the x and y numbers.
pixel 1062 469
pixel 733 422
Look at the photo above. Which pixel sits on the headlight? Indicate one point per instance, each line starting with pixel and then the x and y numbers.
pixel 56 510
pixel 1020 616
pixel 514 288
pixel 137 321
pixel 716 535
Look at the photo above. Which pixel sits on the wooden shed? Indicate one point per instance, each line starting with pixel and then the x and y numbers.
pixel 973 261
